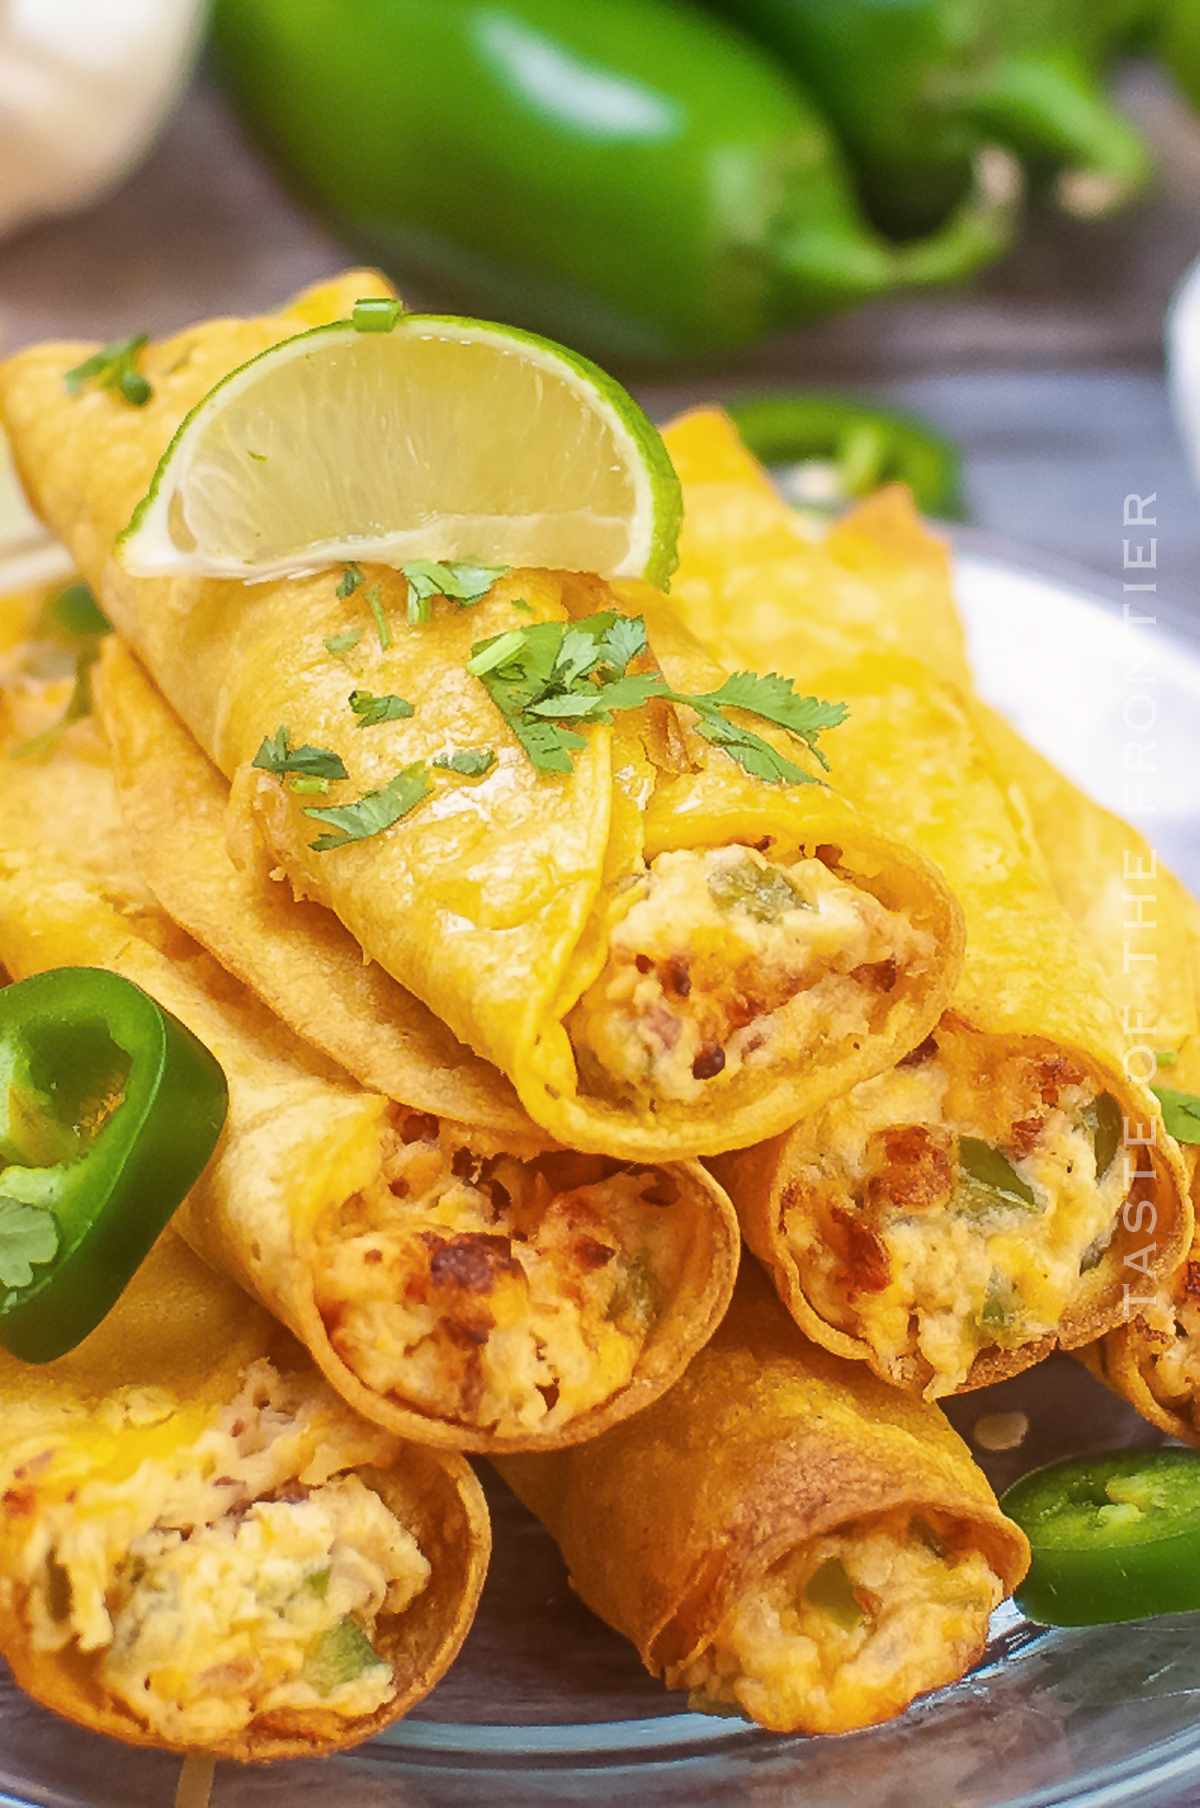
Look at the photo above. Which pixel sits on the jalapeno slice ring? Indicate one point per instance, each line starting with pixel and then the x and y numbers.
pixel 109 1111
pixel 1113 1537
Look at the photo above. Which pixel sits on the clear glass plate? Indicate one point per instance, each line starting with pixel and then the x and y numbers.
pixel 547 1706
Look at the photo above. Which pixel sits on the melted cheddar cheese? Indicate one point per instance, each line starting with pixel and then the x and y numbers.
pixel 501 1294
pixel 847 1630
pixel 724 959
pixel 899 1242
pixel 211 1574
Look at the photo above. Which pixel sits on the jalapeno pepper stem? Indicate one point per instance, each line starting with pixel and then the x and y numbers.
pixel 828 256
pixel 1054 107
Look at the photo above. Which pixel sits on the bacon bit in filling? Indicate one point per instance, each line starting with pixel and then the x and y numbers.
pixel 846 1631
pixel 233 1574
pixel 504 1295
pixel 953 1203
pixel 726 959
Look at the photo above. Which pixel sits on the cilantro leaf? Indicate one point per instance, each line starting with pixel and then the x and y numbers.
pixel 345 642
pixel 112 367
pixel 471 762
pixel 28 1239
pixel 375 810
pixel 371 710
pixel 1181 1113
pixel 274 755
pixel 774 699
pixel 351 578
pixel 751 752
pixel 466 584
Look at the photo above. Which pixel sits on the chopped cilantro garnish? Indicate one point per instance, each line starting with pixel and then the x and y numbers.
pixel 307 785
pixel 375 810
pixel 471 762
pixel 374 603
pixel 312 762
pixel 28 1238
pixel 352 577
pixel 375 314
pixel 371 710
pixel 1181 1113
pixel 553 673
pixel 345 642
pixel 112 367
pixel 466 584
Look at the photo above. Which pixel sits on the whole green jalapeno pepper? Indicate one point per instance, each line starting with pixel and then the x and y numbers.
pixel 916 87
pixel 109 1111
pixel 1113 1537
pixel 629 175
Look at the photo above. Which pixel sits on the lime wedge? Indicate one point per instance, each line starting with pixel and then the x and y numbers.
pixel 392 437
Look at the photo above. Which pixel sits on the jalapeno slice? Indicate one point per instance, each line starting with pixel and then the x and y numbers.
pixel 109 1111
pixel 1113 1537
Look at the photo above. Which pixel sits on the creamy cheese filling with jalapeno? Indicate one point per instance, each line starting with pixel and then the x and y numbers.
pixel 503 1294
pixel 725 959
pixel 953 1203
pixel 848 1629
pixel 210 1582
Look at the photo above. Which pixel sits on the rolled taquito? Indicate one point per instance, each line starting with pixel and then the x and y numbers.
pixel 462 1288
pixel 662 952
pixel 1145 928
pixel 952 1219
pixel 203 1549
pixel 782 1534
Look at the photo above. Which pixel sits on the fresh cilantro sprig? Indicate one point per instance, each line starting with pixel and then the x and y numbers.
pixel 372 710
pixel 275 755
pixel 466 584
pixel 1181 1113
pixel 28 1239
pixel 114 367
pixel 374 811
pixel 552 674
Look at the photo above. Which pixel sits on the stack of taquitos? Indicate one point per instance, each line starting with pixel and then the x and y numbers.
pixel 781 1533
pixel 463 1287
pixel 542 916
pixel 203 1549
pixel 953 1219
pixel 1110 879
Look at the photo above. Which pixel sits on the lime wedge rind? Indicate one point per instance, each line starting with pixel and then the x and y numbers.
pixel 446 438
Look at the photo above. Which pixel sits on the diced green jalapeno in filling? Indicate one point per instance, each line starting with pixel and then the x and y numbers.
pixel 338 1656
pixel 830 1588
pixel 989 1178
pixel 1103 1119
pixel 762 892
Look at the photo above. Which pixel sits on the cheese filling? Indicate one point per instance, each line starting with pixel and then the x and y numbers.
pixel 953 1203
pixel 847 1630
pixel 505 1295
pixel 1170 1322
pixel 216 1573
pixel 725 960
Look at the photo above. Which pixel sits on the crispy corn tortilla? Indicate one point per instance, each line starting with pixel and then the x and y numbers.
pixel 294 954
pixel 492 902
pixel 143 1390
pixel 462 1289
pixel 766 1447
pixel 750 578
